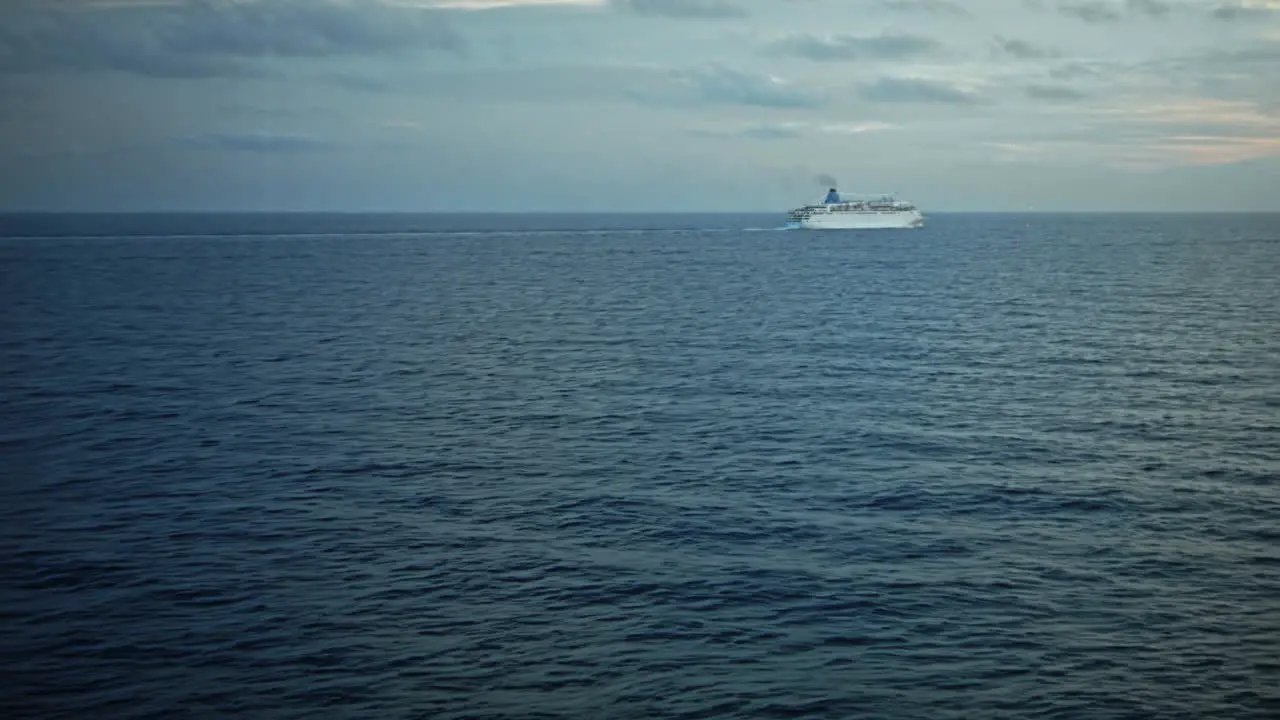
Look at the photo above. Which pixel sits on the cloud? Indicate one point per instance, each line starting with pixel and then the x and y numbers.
pixel 1054 92
pixel 560 85
pixel 855 128
pixel 66 40
pixel 1217 149
pixel 1199 111
pixel 205 38
pixel 773 132
pixel 1090 12
pixel 937 7
pixel 1237 59
pixel 1239 71
pixel 1147 138
pixel 723 85
pixel 310 28
pixel 1138 134
pixel 698 9
pixel 378 97
pixel 1261 54
pixel 1077 69
pixel 793 129
pixel 849 47
pixel 1244 10
pixel 1014 152
pixel 759 131
pixel 504 4
pixel 1096 11
pixel 917 90
pixel 1023 50
pixel 254 142
pixel 1269 53
pixel 1150 8
pixel 1149 153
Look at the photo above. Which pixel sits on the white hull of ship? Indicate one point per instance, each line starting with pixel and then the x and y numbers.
pixel 859 221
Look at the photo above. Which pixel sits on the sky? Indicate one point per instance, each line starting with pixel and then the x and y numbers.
pixel 638 105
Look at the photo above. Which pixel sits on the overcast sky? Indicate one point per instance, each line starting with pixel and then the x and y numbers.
pixel 638 105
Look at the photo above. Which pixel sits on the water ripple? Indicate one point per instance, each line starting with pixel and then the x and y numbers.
pixel 639 469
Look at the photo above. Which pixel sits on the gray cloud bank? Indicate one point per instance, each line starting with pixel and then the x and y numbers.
pixel 205 38
pixel 703 9
pixel 850 47
pixel 369 103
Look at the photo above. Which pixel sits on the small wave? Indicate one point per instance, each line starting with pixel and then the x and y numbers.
pixel 662 472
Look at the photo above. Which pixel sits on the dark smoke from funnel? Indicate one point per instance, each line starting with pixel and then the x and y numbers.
pixel 825 179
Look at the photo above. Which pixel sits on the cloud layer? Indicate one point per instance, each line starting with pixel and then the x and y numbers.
pixel 426 104
pixel 211 38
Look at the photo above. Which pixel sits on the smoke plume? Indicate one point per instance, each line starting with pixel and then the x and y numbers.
pixel 825 179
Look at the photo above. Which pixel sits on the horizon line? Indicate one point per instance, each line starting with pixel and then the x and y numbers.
pixel 606 212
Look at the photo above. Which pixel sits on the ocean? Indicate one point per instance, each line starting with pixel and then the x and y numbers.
pixel 541 466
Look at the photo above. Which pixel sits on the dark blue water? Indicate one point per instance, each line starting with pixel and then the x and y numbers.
pixel 640 467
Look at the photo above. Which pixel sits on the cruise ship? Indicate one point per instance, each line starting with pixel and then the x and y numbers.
pixel 847 212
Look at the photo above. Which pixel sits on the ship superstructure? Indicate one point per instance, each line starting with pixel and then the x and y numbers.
pixel 839 211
